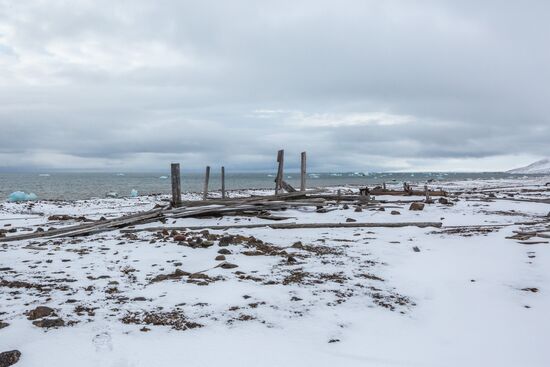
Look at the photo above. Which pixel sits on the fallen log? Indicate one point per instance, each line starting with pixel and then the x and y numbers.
pixel 290 226
pixel 407 193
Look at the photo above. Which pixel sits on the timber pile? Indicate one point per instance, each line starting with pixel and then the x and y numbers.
pixel 253 205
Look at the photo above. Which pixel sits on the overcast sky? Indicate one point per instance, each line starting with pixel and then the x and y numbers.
pixel 360 85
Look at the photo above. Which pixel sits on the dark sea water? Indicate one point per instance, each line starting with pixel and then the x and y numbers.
pixel 74 186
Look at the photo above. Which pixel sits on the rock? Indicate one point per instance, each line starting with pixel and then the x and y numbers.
pixel 443 201
pixel 228 266
pixel 395 212
pixel 358 209
pixel 416 249
pixel 224 251
pixel 9 358
pixel 417 206
pixel 179 238
pixel 350 220
pixel 382 209
pixel 346 206
pixel 297 244
pixel 220 258
pixel 3 324
pixel 198 276
pixel 226 241
pixel 39 312
pixel 49 323
pixel 291 260
pixel 321 210
pixel 139 299
pixel 491 195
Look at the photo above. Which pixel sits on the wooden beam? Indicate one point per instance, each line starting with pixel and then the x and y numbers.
pixel 293 226
pixel 206 179
pixel 303 172
pixel 223 182
pixel 279 178
pixel 176 184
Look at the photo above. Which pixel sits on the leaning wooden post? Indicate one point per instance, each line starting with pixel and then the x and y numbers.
pixel 303 172
pixel 206 178
pixel 176 184
pixel 279 178
pixel 223 182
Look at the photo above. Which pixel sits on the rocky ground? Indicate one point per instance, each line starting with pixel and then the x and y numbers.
pixel 472 292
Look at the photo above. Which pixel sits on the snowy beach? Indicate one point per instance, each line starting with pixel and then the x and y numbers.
pixel 473 292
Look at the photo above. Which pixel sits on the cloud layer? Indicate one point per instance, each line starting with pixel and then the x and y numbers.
pixel 360 85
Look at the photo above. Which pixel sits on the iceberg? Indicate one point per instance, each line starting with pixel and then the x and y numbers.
pixel 133 193
pixel 21 196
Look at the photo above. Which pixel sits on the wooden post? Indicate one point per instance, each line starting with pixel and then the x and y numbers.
pixel 427 193
pixel 223 182
pixel 279 178
pixel 384 185
pixel 176 184
pixel 303 172
pixel 206 178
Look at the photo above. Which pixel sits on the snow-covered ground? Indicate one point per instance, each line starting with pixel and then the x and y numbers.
pixel 450 296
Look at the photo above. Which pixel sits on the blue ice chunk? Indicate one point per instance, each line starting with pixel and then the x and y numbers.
pixel 133 193
pixel 21 196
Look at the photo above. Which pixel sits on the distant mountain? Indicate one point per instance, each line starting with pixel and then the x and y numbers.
pixel 542 166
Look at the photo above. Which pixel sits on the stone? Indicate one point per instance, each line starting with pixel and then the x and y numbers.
pixel 291 260
pixel 395 212
pixel 224 251
pixel 9 358
pixel 416 249
pixel 49 323
pixel 228 266
pixel 417 206
pixel 3 324
pixel 179 238
pixel 382 209
pixel 358 209
pixel 220 258
pixel 346 206
pixel 350 220
pixel 39 312
pixel 443 201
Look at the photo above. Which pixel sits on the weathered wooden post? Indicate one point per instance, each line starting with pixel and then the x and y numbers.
pixel 223 182
pixel 427 193
pixel 279 178
pixel 176 184
pixel 384 185
pixel 303 172
pixel 206 178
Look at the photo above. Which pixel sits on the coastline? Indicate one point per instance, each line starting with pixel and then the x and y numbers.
pixel 470 291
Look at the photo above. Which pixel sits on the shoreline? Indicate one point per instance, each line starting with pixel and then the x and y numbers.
pixel 347 293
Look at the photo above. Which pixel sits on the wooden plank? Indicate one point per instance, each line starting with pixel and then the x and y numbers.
pixel 176 184
pixel 206 179
pixel 279 178
pixel 303 171
pixel 294 226
pixel 223 182
pixel 287 187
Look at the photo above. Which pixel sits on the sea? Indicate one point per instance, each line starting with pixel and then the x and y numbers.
pixel 79 186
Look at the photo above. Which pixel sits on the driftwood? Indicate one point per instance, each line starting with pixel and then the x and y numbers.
pixel 407 193
pixel 292 226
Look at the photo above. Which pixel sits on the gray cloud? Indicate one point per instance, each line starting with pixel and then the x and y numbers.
pixel 360 85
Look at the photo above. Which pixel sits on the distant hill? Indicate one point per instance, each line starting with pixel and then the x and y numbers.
pixel 542 166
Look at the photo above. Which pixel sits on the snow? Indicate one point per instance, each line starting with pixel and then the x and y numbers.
pixel 539 167
pixel 368 300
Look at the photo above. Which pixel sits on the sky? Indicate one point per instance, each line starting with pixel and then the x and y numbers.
pixel 360 85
